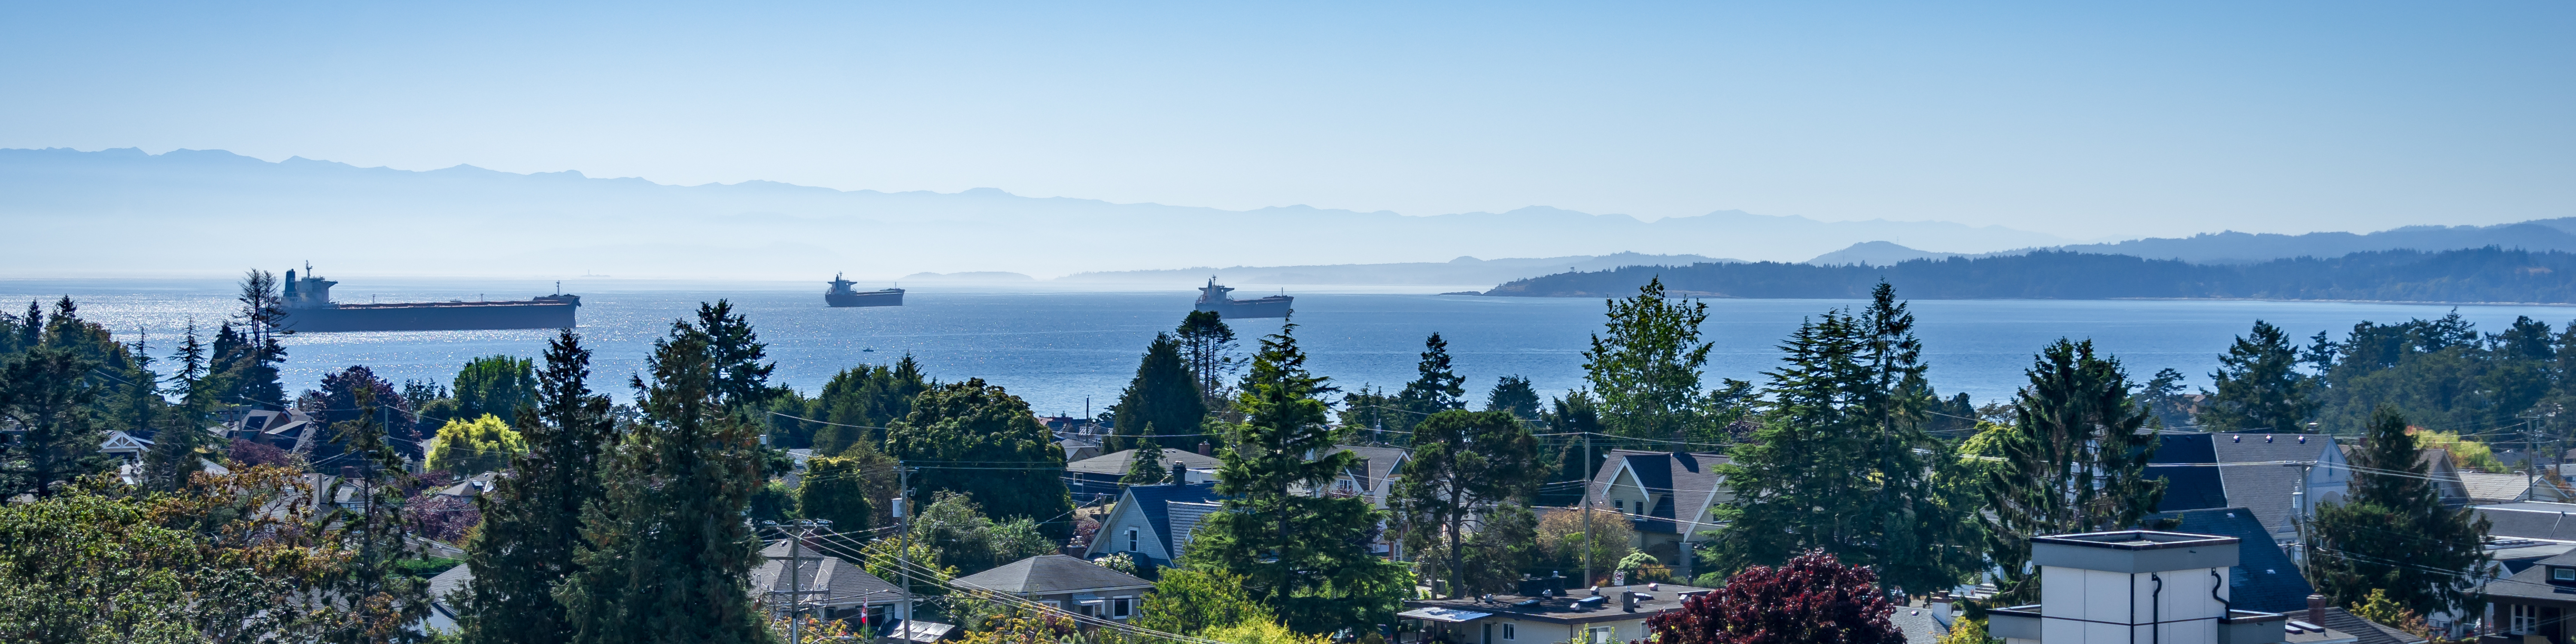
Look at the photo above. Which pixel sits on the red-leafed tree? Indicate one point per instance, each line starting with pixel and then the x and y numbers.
pixel 1812 599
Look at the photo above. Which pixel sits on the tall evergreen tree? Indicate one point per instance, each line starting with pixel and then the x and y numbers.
pixel 1438 388
pixel 532 518
pixel 1836 467
pixel 2259 386
pixel 46 395
pixel 1147 466
pixel 250 364
pixel 1464 465
pixel 2073 460
pixel 377 602
pixel 1208 346
pixel 1513 395
pixel 2393 533
pixel 667 557
pixel 1306 556
pixel 1163 399
pixel 741 379
pixel 959 432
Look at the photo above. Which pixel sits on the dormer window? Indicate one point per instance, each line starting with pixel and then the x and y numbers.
pixel 2562 575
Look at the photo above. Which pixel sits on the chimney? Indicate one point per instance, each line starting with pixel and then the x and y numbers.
pixel 1180 473
pixel 1206 450
pixel 2317 609
pixel 1628 601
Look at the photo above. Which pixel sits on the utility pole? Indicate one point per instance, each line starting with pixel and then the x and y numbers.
pixel 903 525
pixel 1587 510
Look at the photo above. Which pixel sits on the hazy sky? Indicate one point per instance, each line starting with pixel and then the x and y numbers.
pixel 2079 119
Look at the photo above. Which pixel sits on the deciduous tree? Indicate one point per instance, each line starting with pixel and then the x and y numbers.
pixel 1810 599
pixel 978 440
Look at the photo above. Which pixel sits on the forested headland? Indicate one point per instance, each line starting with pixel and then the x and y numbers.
pixel 2489 274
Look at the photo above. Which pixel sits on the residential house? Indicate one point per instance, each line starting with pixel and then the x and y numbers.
pixel 1152 523
pixel 1669 498
pixel 129 446
pixel 830 587
pixel 2535 520
pixel 2280 478
pixel 1373 475
pixel 1097 477
pixel 1066 583
pixel 2146 585
pixel 1543 616
pixel 2532 605
pixel 2486 489
pixel 2263 577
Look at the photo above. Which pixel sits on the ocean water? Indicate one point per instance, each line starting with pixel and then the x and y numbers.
pixel 1067 351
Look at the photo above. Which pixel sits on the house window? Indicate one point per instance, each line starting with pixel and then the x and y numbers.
pixel 1601 635
pixel 1508 632
pixel 2526 620
pixel 1131 540
pixel 2562 574
pixel 1619 504
pixel 1119 607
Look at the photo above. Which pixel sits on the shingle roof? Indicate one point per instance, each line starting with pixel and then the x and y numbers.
pixel 1050 575
pixel 1684 476
pixel 1380 462
pixel 2188 488
pixel 2531 520
pixel 1918 624
pixel 2364 631
pixel 2264 579
pixel 845 583
pixel 449 582
pixel 1115 463
pixel 2533 583
pixel 2495 488
pixel 1155 501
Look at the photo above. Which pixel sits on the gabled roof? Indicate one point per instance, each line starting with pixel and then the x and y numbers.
pixel 1919 624
pixel 2188 488
pixel 1115 463
pixel 1155 503
pixel 2533 583
pixel 2244 470
pixel 1051 575
pixel 1682 477
pixel 2531 520
pixel 842 582
pixel 2264 579
pixel 1377 465
pixel 2363 631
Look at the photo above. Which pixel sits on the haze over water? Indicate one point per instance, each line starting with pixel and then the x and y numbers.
pixel 1055 348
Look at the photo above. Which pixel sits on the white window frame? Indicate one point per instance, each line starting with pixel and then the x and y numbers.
pixel 2525 620
pixel 1131 540
pixel 2562 574
pixel 1121 607
pixel 1600 634
pixel 1509 633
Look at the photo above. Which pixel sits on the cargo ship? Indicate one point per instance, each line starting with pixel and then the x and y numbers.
pixel 309 309
pixel 1215 298
pixel 841 295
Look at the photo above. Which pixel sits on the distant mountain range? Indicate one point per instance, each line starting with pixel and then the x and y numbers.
pixel 2454 276
pixel 127 213
pixel 2246 248
pixel 1463 270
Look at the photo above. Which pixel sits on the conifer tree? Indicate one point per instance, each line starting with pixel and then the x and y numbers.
pixel 1464 465
pixel 46 395
pixel 667 556
pixel 1438 388
pixel 1161 400
pixel 1305 556
pixel 1207 345
pixel 495 385
pixel 2259 386
pixel 959 430
pixel 1513 395
pixel 377 602
pixel 532 518
pixel 1835 465
pixel 251 364
pixel 2073 460
pixel 2393 533
pixel 1147 466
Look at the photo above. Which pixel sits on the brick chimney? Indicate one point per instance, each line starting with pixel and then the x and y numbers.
pixel 1206 450
pixel 2317 609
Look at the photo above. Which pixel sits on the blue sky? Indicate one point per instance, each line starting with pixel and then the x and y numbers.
pixel 2078 119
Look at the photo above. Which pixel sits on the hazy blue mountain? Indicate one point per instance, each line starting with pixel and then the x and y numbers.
pixel 1875 253
pixel 124 212
pixel 2242 248
pixel 2463 275
pixel 1463 270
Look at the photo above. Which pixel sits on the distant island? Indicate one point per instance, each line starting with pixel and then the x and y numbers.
pixel 1463 270
pixel 2489 274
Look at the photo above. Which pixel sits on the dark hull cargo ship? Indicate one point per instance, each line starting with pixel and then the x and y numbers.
pixel 842 296
pixel 1215 298
pixel 309 309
